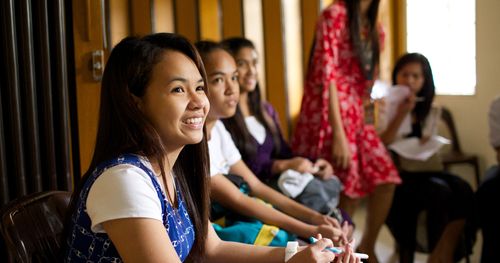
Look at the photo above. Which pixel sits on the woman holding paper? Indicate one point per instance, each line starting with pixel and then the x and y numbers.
pixel 447 199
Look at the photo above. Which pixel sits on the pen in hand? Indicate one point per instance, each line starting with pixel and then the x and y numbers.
pixel 338 250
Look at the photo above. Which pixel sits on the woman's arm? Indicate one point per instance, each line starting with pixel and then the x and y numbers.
pixel 341 153
pixel 226 193
pixel 141 240
pixel 299 164
pixel 389 135
pixel 145 240
pixel 283 203
pixel 222 251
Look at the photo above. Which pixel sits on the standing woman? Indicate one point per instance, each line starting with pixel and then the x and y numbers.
pixel 331 125
pixel 145 196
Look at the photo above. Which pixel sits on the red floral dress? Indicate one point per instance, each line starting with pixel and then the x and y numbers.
pixel 334 60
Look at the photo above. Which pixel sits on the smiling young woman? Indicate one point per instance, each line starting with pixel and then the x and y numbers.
pixel 145 196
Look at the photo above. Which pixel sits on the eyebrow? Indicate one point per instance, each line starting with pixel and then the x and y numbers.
pixel 217 73
pixel 183 80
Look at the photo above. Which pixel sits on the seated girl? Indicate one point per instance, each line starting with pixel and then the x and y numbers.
pixel 145 196
pixel 447 199
pixel 225 158
pixel 256 132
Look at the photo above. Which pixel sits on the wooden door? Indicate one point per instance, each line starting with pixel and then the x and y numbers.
pixel 88 33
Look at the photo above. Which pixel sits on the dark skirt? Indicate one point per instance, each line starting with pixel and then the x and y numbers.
pixel 444 197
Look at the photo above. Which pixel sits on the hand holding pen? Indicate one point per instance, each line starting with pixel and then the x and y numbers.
pixel 345 254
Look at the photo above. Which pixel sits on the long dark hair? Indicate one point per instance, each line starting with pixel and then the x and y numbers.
pixel 422 108
pixel 353 13
pixel 236 125
pixel 124 129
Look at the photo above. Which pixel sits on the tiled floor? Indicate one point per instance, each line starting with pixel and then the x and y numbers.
pixel 385 244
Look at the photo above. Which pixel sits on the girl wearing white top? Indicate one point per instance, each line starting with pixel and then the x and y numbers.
pixel 447 199
pixel 222 80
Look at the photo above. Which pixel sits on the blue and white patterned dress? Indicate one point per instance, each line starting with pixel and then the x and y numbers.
pixel 83 245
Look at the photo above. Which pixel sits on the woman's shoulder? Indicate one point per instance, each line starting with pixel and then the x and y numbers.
pixel 268 107
pixel 270 110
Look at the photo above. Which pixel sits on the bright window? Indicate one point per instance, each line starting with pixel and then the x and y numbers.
pixel 445 32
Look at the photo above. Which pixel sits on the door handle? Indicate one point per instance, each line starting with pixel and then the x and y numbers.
pixel 97 64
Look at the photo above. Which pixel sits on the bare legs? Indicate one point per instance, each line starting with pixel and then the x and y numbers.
pixel 379 203
pixel 445 248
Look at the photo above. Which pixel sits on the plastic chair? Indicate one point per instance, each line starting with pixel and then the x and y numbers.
pixel 456 155
pixel 32 226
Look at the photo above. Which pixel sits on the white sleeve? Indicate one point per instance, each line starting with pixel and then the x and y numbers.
pixel 431 122
pixel 223 152
pixel 123 191
pixel 229 149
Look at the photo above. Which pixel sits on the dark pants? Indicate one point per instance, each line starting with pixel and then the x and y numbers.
pixel 488 195
pixel 445 198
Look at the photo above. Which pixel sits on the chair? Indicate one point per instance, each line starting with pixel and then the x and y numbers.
pixel 32 226
pixel 456 155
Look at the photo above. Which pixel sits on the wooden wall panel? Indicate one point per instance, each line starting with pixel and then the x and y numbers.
pixel 253 28
pixel 294 72
pixel 210 20
pixel 186 19
pixel 120 25
pixel 275 60
pixel 163 16
pixel 309 13
pixel 141 17
pixel 87 35
pixel 232 18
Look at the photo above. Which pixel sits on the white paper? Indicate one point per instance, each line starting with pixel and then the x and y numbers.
pixel 393 98
pixel 411 148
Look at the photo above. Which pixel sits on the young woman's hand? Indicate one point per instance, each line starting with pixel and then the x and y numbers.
pixel 300 164
pixel 424 139
pixel 407 105
pixel 325 169
pixel 348 255
pixel 315 253
pixel 320 219
pixel 329 231
pixel 341 152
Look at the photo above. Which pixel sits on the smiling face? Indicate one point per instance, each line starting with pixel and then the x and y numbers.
pixel 175 101
pixel 411 75
pixel 246 61
pixel 223 84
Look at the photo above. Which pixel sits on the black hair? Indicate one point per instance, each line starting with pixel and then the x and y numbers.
pixel 236 125
pixel 354 19
pixel 422 108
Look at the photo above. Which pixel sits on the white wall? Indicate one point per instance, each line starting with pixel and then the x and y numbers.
pixel 470 112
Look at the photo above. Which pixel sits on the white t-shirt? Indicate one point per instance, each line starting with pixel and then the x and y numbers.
pixel 222 150
pixel 123 191
pixel 256 129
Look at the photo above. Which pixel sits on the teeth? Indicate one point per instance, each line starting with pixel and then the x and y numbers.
pixel 194 120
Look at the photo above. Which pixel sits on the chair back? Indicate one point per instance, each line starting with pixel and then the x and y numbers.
pixel 447 118
pixel 32 226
